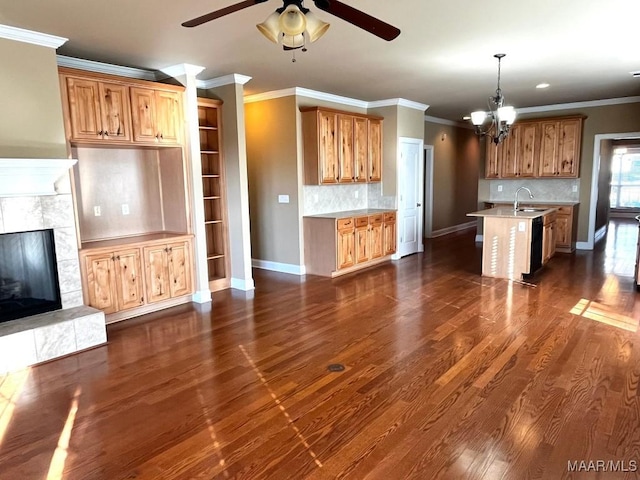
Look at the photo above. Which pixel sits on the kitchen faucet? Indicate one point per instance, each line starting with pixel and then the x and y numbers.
pixel 515 202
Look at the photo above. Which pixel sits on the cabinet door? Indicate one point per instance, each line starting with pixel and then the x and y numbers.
pixel 362 244
pixel 101 282
pixel 510 167
pixel 563 231
pixel 328 147
pixel 527 149
pixel 375 150
pixel 345 149
pixel 569 148
pixel 389 238
pixel 179 258
pixel 376 240
pixel 548 148
pixel 360 148
pixel 492 160
pixel 143 113
pixel 84 109
pixel 346 241
pixel 168 116
pixel 156 273
pixel 115 108
pixel 128 273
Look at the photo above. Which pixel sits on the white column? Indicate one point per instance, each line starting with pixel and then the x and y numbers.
pixel 186 74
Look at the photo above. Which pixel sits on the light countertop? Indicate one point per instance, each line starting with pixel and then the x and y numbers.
pixel 351 213
pixel 531 202
pixel 509 212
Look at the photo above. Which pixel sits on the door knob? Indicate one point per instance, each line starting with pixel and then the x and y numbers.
pixel 419 205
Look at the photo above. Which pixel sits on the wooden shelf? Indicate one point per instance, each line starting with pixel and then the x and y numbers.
pixel 209 152
pixel 210 176
pixel 213 257
pixel 204 127
pixel 212 198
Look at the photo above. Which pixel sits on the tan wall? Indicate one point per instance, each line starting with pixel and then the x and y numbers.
pixel 31 123
pixel 601 120
pixel 272 156
pixel 456 155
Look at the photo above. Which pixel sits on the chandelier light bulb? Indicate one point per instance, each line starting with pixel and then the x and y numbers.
pixel 292 21
pixel 478 118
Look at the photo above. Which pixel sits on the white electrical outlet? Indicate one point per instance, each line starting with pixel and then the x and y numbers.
pixel 499 188
pixel 574 188
pixel 283 198
pixel 96 211
pixel 522 227
pixel 315 198
pixel 356 194
pixel 125 209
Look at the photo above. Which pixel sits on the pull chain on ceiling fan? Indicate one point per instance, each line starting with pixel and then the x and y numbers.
pixel 289 23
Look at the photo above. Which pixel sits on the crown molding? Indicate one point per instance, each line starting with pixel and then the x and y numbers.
pixel 330 97
pixel 400 102
pixel 182 69
pixel 29 36
pixel 233 78
pixel 108 68
pixel 444 121
pixel 260 97
pixel 570 106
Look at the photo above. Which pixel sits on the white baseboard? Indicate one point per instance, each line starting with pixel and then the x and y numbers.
pixel 279 267
pixel 584 246
pixel 454 229
pixel 203 296
pixel 479 238
pixel 241 284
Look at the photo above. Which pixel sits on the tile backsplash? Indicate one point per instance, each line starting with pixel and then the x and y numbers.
pixel 543 190
pixel 338 198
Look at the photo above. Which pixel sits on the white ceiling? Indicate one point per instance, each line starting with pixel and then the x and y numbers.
pixel 585 49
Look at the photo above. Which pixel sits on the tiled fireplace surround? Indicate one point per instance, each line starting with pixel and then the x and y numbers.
pixel 31 340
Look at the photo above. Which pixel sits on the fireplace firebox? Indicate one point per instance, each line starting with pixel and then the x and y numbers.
pixel 29 282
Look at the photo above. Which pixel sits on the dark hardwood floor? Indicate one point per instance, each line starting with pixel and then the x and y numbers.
pixel 447 375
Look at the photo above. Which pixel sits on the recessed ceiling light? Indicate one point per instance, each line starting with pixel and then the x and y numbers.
pixel 466 117
pixel 542 85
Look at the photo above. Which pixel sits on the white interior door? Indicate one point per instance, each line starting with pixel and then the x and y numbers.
pixel 410 194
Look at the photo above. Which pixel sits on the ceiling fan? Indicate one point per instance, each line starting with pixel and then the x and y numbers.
pixel 334 7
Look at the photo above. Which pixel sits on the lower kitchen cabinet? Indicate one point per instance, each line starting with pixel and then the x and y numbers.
pixel 548 237
pixel 335 246
pixel 113 278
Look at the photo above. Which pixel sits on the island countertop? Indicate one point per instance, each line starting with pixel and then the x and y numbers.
pixel 509 212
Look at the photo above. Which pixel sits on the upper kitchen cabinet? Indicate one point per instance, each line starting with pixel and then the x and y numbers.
pixel 98 110
pixel 341 147
pixel 537 148
pixel 157 115
pixel 560 147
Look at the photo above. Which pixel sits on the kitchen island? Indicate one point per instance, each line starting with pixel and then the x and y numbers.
pixel 516 242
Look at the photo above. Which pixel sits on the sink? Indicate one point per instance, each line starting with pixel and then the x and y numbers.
pixel 530 209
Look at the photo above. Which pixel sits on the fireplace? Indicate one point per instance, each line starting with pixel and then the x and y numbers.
pixel 29 282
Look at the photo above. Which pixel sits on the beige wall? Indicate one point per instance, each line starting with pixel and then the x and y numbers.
pixel 456 155
pixel 272 155
pixel 623 118
pixel 31 124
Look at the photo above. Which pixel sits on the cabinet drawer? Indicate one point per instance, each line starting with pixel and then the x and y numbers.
pixel 565 210
pixel 362 221
pixel 549 218
pixel 345 223
pixel 390 217
pixel 375 219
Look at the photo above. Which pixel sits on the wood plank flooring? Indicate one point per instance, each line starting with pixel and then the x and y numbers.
pixel 447 375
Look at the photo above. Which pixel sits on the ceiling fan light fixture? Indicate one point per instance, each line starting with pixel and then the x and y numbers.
pixel 316 28
pixel 292 42
pixel 292 21
pixel 270 28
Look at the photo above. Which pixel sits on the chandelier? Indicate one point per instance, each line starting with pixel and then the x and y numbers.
pixel 288 25
pixel 499 115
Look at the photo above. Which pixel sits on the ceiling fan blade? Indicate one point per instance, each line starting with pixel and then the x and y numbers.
pixel 359 19
pixel 221 13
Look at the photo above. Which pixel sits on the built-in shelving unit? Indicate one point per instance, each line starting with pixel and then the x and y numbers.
pixel 214 190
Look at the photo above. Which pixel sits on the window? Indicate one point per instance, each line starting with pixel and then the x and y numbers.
pixel 625 179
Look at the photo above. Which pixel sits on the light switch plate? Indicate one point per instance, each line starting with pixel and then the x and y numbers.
pixel 283 198
pixel 499 188
pixel 574 188
pixel 125 209
pixel 97 211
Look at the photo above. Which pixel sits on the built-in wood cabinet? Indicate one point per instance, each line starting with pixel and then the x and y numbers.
pixel 106 109
pixel 167 270
pixel 341 147
pixel 136 275
pixel 156 115
pixel 537 148
pixel 214 190
pixel 335 246
pixel 114 280
pixel 548 237
pixel 98 110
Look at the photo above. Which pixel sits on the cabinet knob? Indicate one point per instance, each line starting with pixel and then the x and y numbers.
pixel 100 133
pixel 106 134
